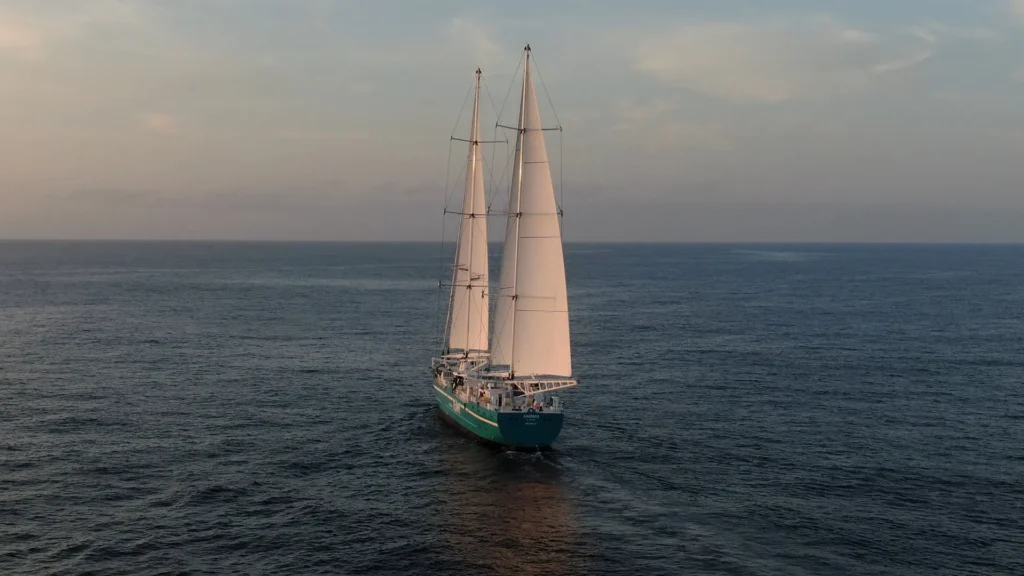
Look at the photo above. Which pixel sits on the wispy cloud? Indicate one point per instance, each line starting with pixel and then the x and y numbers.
pixel 159 123
pixel 323 136
pixel 935 32
pixel 654 125
pixel 631 115
pixel 1017 9
pixel 193 95
pixel 769 62
pixel 476 39
pixel 902 63
pixel 853 36
pixel 19 37
pixel 30 30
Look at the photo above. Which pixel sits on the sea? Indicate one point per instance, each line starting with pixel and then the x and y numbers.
pixel 266 408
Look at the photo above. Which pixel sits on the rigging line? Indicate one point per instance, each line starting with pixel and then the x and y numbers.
pixel 447 175
pixel 451 189
pixel 477 141
pixel 440 259
pixel 504 173
pixel 498 122
pixel 494 185
pixel 455 128
pixel 545 86
pixel 498 329
pixel 494 108
pixel 440 285
pixel 553 128
pixel 507 172
pixel 500 292
pixel 491 99
pixel 496 190
pixel 447 194
pixel 481 332
pixel 446 333
pixel 510 86
pixel 461 110
pixel 561 177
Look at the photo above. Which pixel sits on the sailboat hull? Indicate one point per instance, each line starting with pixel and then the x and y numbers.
pixel 521 430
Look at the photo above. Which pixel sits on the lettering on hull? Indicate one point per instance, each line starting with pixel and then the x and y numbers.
pixel 528 430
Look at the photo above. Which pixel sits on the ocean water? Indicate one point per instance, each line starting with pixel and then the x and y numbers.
pixel 190 408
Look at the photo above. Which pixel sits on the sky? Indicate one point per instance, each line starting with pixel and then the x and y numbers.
pixel 683 120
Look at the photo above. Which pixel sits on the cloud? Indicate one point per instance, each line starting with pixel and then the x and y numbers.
pixel 475 39
pixel 160 123
pixel 853 36
pixel 934 32
pixel 1017 8
pixel 903 63
pixel 34 28
pixel 769 62
pixel 654 127
pixel 323 136
pixel 631 114
pixel 20 38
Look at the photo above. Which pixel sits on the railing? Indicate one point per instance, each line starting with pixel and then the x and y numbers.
pixel 541 386
pixel 458 364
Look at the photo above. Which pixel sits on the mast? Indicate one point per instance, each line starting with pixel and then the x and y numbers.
pixel 519 205
pixel 468 309
pixel 532 316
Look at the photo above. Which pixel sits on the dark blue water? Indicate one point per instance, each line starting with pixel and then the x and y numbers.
pixel 266 409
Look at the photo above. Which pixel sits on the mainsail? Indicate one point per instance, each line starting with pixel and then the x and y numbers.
pixel 468 321
pixel 531 335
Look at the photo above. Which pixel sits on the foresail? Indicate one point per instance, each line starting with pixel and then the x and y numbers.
pixel 468 322
pixel 504 307
pixel 532 315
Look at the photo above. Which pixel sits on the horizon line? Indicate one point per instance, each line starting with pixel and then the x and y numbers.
pixel 565 243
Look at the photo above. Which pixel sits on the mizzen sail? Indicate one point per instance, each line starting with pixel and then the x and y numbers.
pixel 531 335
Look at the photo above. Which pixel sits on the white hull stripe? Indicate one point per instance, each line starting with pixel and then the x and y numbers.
pixel 474 414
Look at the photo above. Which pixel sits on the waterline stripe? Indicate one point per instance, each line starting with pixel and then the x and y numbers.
pixel 478 417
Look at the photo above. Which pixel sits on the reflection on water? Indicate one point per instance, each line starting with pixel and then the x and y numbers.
pixel 506 513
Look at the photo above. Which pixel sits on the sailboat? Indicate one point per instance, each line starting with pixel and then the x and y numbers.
pixel 501 390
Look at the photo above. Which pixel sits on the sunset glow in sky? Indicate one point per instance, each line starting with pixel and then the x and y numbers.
pixel 849 120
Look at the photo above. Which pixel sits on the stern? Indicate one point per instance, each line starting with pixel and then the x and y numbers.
pixel 529 429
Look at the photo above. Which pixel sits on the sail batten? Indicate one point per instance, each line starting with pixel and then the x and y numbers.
pixel 531 334
pixel 468 325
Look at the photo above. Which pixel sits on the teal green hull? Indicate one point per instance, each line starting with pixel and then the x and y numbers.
pixel 515 429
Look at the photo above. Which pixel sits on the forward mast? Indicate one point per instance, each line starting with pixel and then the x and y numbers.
pixel 468 310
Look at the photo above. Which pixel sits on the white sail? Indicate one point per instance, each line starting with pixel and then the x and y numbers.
pixel 532 316
pixel 468 320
